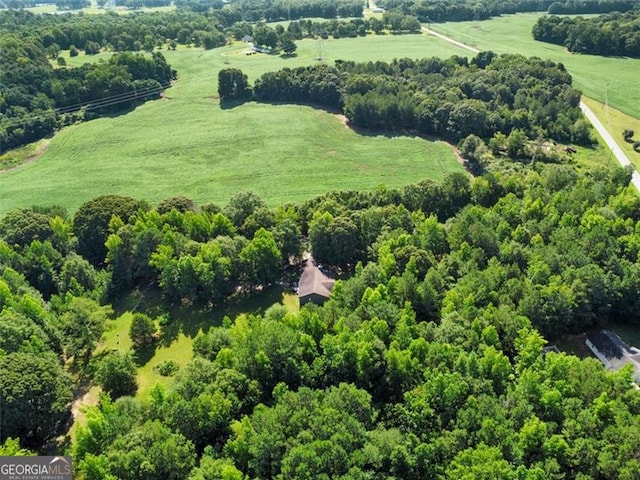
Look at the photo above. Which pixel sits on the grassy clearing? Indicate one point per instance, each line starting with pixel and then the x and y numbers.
pixel 176 338
pixel 615 79
pixel 186 144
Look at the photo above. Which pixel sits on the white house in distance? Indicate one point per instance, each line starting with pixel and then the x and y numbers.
pixel 613 352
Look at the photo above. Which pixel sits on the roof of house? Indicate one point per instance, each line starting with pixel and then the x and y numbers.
pixel 615 350
pixel 313 281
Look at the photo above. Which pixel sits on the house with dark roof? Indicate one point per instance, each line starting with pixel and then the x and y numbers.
pixel 613 352
pixel 314 286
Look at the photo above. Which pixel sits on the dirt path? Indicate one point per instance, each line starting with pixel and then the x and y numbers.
pixel 450 40
pixel 30 159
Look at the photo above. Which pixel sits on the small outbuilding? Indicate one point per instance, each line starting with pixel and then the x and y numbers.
pixel 613 352
pixel 314 286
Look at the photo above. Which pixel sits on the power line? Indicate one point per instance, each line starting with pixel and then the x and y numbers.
pixel 90 105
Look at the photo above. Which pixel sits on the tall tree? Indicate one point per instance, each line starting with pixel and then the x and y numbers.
pixel 35 394
pixel 91 223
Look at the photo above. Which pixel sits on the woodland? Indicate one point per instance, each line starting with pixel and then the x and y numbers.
pixel 427 361
pixel 612 34
pixel 497 100
pixel 465 10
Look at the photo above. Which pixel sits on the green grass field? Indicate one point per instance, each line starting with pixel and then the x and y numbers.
pixel 186 144
pixel 602 78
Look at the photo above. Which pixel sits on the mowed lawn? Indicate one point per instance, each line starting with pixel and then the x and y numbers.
pixel 614 80
pixel 176 339
pixel 186 144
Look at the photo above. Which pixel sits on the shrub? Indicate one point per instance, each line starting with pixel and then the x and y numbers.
pixel 166 368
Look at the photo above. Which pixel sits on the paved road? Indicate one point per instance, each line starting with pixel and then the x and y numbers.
pixel 609 140
pixel 615 149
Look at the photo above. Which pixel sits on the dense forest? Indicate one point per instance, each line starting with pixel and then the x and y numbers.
pixel 427 361
pixel 502 102
pixel 613 34
pixel 466 10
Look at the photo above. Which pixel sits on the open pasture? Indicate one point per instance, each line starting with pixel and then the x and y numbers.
pixel 612 79
pixel 186 144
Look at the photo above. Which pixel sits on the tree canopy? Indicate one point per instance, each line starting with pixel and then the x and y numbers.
pixel 613 34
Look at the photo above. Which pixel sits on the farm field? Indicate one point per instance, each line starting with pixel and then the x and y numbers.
pixel 601 78
pixel 185 144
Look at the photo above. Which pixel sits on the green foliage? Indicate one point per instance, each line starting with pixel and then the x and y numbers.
pixel 37 99
pixel 458 101
pixel 233 84
pixel 181 204
pixel 11 448
pixel 427 361
pixel 82 323
pixel 613 34
pixel 149 451
pixel 334 240
pixel 21 227
pixel 116 374
pixel 35 394
pixel 261 259
pixel 287 44
pixel 166 368
pixel 628 135
pixel 91 223
pixel 142 331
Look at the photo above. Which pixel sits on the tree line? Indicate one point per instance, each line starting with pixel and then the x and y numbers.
pixel 136 4
pixel 272 11
pixel 427 361
pixel 395 23
pixel 138 31
pixel 464 10
pixel 36 99
pixel 613 34
pixel 500 101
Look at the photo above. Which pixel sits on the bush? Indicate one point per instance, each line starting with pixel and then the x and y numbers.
pixel 636 147
pixel 628 135
pixel 166 368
